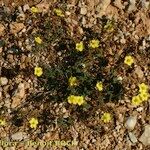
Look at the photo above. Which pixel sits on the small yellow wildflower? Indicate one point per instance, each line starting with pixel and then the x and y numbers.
pixel 80 100
pixel 129 60
pixel 79 46
pixel 33 123
pixel 99 86
pixel 73 81
pixel 38 40
pixel 143 87
pixel 38 71
pixel 34 10
pixel 106 117
pixel 144 96
pixel 136 100
pixel 94 43
pixel 2 122
pixel 59 12
pixel 72 99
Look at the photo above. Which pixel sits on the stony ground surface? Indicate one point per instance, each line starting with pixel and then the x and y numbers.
pixel 123 27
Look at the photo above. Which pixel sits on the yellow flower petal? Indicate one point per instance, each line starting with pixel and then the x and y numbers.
pixel 144 96
pixel 94 43
pixel 80 100
pixel 79 46
pixel 99 86
pixel 34 10
pixel 59 12
pixel 136 100
pixel 38 71
pixel 33 123
pixel 129 60
pixel 38 40
pixel 106 117
pixel 73 81
pixel 2 122
pixel 143 87
pixel 72 99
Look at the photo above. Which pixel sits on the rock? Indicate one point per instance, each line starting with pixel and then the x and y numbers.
pixel 132 137
pixel 131 122
pixel 22 17
pixel 140 109
pixel 43 6
pixel 16 27
pixel 10 58
pixel 83 21
pixel 7 103
pixel 83 11
pixel 19 136
pixel 132 5
pixel 26 7
pixel 118 4
pixel 18 96
pixel 139 72
pixel 3 81
pixel 101 8
pixel 145 137
pixel 2 28
pixel 145 4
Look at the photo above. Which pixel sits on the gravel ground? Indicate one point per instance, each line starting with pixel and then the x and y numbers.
pixel 122 27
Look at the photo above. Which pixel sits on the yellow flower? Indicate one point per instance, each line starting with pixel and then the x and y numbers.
pixel 106 117
pixel 94 43
pixel 59 12
pixel 80 100
pixel 129 60
pixel 72 99
pixel 144 96
pixel 73 81
pixel 2 122
pixel 38 40
pixel 136 100
pixel 79 46
pixel 34 10
pixel 38 71
pixel 33 123
pixel 143 87
pixel 99 86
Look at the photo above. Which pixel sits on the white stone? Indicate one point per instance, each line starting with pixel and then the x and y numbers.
pixel 19 136
pixel 139 72
pixel 131 122
pixel 26 7
pixel 83 11
pixel 145 137
pixel 3 81
pixel 139 109
pixel 132 137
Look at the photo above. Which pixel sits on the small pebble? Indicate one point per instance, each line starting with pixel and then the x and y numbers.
pixel 139 109
pixel 83 11
pixel 3 81
pixel 19 136
pixel 132 137
pixel 145 137
pixel 131 122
